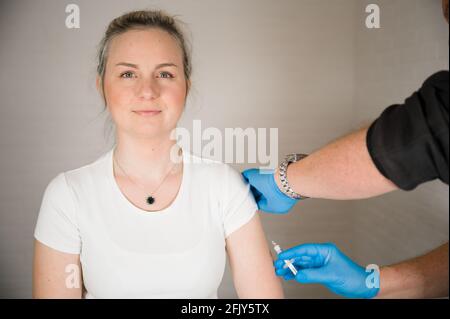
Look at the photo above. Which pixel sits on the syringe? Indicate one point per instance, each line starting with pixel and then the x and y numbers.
pixel 278 250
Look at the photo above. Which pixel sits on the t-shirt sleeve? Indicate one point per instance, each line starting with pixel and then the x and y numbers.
pixel 409 142
pixel 239 206
pixel 57 225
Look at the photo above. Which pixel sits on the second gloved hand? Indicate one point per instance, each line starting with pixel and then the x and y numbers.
pixel 325 264
pixel 266 192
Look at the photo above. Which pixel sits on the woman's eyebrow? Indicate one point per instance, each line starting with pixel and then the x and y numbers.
pixel 132 65
pixel 162 65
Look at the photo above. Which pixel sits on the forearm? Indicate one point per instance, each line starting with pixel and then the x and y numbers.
pixel 422 277
pixel 341 170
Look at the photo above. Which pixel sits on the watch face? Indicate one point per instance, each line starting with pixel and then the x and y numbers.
pixel 293 157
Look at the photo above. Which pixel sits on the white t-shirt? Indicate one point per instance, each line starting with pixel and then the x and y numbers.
pixel 126 252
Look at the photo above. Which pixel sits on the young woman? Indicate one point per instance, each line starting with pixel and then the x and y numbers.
pixel 137 223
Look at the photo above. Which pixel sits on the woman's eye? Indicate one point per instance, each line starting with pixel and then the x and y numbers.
pixel 127 75
pixel 165 75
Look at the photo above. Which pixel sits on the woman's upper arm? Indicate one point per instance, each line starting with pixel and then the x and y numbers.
pixel 56 274
pixel 251 262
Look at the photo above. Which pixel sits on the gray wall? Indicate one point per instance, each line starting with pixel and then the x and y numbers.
pixel 310 68
pixel 391 63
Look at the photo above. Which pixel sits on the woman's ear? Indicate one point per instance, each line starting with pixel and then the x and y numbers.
pixel 98 84
pixel 188 86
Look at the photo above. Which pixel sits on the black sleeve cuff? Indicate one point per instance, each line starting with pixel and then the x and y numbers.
pixel 408 143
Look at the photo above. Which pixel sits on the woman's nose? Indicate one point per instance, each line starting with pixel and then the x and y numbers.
pixel 148 89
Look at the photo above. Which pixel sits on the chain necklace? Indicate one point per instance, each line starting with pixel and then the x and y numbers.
pixel 151 198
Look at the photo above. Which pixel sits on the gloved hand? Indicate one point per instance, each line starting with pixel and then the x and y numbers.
pixel 325 264
pixel 266 192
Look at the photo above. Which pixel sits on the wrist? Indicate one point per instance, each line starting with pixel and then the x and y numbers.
pixel 388 276
pixel 282 176
pixel 276 177
pixel 277 187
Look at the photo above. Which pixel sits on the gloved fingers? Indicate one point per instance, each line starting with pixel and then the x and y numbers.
pixel 285 273
pixel 256 193
pixel 266 192
pixel 272 207
pixel 301 263
pixel 279 263
pixel 246 174
pixel 250 175
pixel 289 276
pixel 259 179
pixel 312 275
pixel 281 271
pixel 311 251
pixel 262 204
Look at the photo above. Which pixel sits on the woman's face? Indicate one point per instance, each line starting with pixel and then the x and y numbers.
pixel 144 84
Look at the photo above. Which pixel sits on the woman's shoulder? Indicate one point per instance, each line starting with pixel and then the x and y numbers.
pixel 212 168
pixel 82 175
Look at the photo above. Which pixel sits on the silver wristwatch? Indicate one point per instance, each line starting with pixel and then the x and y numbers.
pixel 282 169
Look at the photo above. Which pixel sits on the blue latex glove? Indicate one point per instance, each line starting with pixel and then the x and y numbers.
pixel 266 192
pixel 325 264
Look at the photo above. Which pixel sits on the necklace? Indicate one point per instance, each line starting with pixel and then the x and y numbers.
pixel 151 198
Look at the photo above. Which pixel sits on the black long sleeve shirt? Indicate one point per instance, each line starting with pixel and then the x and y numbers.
pixel 409 142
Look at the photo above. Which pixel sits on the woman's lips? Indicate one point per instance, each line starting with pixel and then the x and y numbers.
pixel 147 113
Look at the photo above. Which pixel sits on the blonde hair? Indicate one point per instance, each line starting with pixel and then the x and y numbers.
pixel 138 20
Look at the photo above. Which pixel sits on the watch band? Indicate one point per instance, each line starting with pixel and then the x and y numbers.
pixel 286 188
